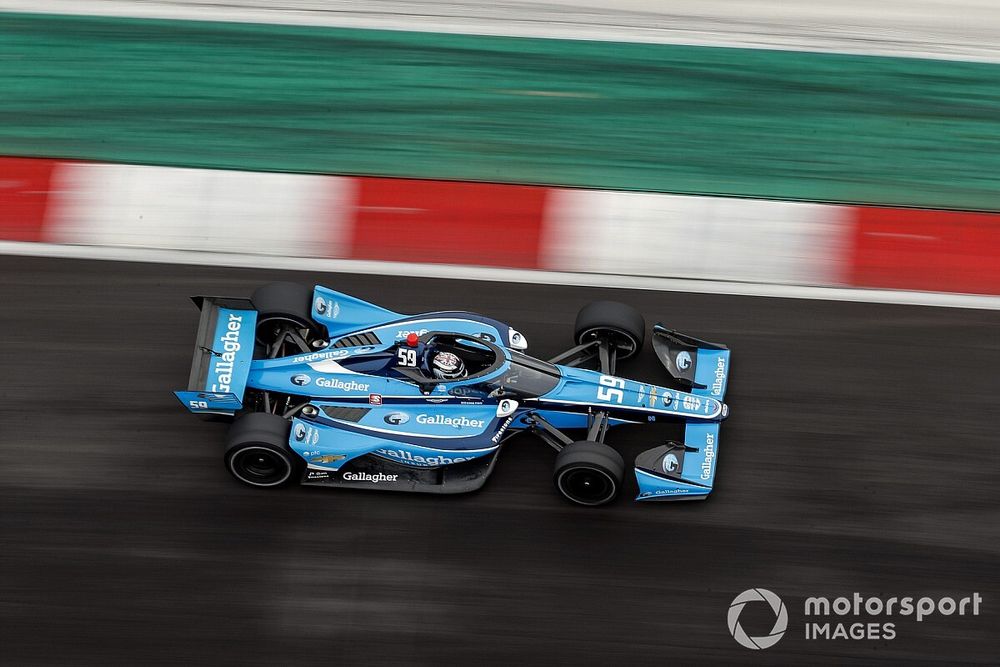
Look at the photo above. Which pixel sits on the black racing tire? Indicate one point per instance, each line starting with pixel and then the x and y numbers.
pixel 284 302
pixel 257 451
pixel 589 473
pixel 622 324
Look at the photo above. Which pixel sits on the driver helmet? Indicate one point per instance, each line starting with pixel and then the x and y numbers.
pixel 447 366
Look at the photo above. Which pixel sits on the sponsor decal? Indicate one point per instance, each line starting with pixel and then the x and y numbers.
pixel 457 422
pixel 670 463
pixel 334 383
pixel 369 477
pixel 319 356
pixel 328 458
pixel 331 307
pixel 436 400
pixel 720 376
pixel 214 397
pixel 503 427
pixel 403 333
pixel 301 380
pixel 374 399
pixel 317 474
pixel 666 492
pixel 667 399
pixel 683 360
pixel 396 418
pixel 487 337
pixel 223 368
pixel 706 465
pixel 642 394
pixel 307 435
pixel 652 397
pixel 410 458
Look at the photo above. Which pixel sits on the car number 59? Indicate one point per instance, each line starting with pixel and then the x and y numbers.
pixel 611 389
pixel 406 357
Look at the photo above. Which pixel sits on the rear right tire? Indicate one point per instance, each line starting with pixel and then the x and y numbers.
pixel 257 451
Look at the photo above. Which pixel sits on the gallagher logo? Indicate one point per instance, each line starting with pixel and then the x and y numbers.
pixel 301 380
pixel 396 418
pixel 683 360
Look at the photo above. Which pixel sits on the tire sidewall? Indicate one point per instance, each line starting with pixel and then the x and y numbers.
pixel 561 475
pixel 242 448
pixel 595 457
pixel 266 431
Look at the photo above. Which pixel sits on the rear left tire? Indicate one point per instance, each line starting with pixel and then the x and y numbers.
pixel 283 307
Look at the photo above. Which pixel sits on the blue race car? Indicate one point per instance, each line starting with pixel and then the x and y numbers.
pixel 327 389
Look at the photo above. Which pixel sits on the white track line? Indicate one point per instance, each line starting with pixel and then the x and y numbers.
pixel 454 272
pixel 956 30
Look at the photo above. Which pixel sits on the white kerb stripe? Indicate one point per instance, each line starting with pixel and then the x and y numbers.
pixel 713 238
pixel 199 209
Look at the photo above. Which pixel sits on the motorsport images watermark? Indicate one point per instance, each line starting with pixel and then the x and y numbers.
pixel 821 615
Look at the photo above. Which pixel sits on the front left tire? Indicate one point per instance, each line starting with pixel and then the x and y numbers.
pixel 619 323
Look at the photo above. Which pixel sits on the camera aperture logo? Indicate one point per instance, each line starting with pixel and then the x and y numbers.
pixel 858 617
pixel 780 618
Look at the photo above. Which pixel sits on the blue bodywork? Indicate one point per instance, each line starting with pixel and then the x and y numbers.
pixel 369 405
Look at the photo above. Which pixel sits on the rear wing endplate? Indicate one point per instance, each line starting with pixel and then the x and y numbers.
pixel 222 356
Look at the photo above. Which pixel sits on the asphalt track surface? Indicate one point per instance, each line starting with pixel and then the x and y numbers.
pixel 860 456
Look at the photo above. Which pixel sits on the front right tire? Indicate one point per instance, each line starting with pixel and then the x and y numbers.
pixel 589 473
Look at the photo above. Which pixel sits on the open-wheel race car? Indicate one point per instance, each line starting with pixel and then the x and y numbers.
pixel 326 389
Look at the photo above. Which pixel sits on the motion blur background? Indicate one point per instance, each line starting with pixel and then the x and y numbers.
pixel 717 146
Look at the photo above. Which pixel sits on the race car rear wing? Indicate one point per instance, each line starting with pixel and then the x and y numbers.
pixel 695 363
pixel 222 355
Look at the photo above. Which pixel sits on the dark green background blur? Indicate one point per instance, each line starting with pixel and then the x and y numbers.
pixel 596 114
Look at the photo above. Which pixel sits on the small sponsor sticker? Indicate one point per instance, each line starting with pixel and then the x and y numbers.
pixel 374 399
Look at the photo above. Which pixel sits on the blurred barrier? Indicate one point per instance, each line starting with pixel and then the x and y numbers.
pixel 712 121
pixel 485 224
